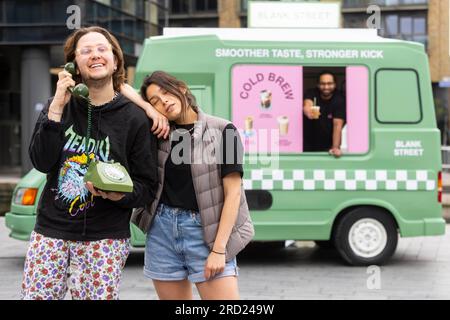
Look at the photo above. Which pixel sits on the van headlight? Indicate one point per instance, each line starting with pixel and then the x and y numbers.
pixel 26 196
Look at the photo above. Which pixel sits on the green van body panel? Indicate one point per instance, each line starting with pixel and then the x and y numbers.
pixel 307 208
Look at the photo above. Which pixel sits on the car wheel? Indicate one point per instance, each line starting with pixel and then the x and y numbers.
pixel 366 236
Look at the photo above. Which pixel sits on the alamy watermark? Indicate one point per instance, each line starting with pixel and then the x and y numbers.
pixel 374 21
pixel 374 280
pixel 74 20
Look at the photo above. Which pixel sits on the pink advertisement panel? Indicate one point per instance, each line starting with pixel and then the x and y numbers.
pixel 267 107
pixel 357 109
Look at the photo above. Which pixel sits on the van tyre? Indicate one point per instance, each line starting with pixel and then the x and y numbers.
pixel 366 236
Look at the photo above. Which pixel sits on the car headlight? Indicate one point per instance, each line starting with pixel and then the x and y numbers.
pixel 26 196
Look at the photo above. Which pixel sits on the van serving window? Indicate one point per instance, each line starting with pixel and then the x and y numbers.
pixel 397 96
pixel 292 109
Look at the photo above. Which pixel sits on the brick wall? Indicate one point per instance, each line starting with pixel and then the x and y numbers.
pixel 229 13
pixel 438 39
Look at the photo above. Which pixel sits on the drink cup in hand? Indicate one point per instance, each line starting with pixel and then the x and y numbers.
pixel 315 112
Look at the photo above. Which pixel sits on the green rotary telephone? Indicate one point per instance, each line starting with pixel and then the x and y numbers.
pixel 105 176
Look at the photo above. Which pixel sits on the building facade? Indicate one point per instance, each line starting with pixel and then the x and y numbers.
pixel 32 34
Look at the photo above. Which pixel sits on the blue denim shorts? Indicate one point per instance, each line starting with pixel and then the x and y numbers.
pixel 175 248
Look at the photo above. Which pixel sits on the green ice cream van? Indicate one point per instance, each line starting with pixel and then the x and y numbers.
pixel 386 183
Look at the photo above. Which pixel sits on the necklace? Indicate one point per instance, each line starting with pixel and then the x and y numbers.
pixel 116 94
pixel 188 130
pixel 191 129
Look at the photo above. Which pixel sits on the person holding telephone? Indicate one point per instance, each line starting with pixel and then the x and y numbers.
pixel 81 238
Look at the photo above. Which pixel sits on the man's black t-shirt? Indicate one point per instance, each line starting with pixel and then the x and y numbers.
pixel 178 185
pixel 318 133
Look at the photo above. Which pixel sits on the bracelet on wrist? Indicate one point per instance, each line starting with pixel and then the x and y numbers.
pixel 57 113
pixel 217 252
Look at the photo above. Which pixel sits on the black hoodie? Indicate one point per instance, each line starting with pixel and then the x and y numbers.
pixel 120 132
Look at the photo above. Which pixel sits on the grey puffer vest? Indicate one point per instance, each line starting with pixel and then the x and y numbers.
pixel 208 187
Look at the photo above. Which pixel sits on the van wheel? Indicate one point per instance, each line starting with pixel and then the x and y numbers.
pixel 366 236
pixel 325 244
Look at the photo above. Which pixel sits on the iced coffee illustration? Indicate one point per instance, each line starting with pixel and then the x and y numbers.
pixel 248 131
pixel 283 125
pixel 266 99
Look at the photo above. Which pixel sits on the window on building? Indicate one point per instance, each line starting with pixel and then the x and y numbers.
pixel 180 6
pixel 199 5
pixel 128 27
pixel 104 14
pixel 244 5
pixel 205 5
pixel 28 11
pixel 129 6
pixel 140 9
pixel 391 25
pixel 355 21
pixel 410 26
pixel 116 4
pixel 154 12
pixel 387 3
pixel 116 21
pixel 406 26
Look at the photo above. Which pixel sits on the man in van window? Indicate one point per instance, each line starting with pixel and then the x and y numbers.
pixel 324 116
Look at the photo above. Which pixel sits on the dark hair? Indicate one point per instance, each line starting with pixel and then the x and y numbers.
pixel 71 45
pixel 173 86
pixel 324 73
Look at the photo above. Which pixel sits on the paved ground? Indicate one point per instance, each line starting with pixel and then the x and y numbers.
pixel 420 269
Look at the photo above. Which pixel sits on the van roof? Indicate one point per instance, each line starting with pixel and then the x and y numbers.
pixel 280 34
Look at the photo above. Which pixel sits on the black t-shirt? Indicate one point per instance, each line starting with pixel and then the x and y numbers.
pixel 178 185
pixel 318 133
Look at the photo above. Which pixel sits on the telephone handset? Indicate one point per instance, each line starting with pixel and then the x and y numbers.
pixel 80 90
pixel 106 176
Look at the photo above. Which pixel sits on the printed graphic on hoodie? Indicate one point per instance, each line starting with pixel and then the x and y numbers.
pixel 72 191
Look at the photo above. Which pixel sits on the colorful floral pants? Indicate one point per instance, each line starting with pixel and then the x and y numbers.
pixel 90 270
